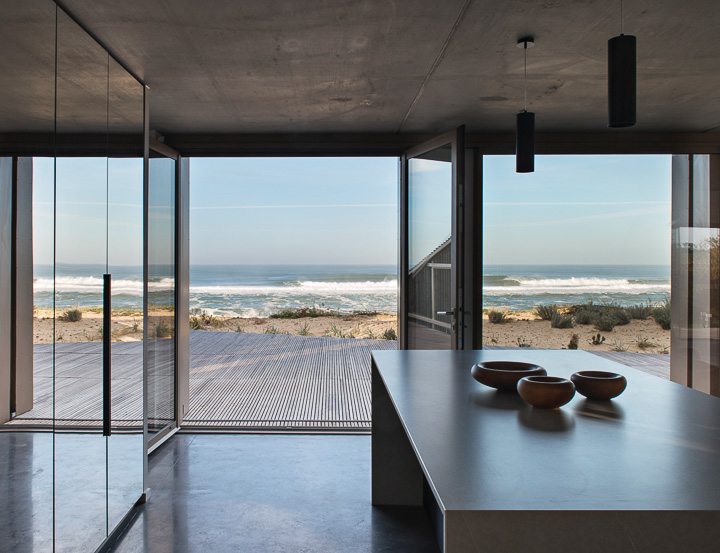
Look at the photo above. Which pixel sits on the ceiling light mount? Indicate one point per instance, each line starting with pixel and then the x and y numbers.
pixel 526 42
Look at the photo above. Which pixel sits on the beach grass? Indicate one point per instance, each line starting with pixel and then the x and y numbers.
pixel 72 315
pixel 497 317
pixel 640 311
pixel 661 315
pixel 545 312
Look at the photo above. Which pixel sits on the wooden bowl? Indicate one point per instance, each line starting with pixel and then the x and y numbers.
pixel 546 392
pixel 504 375
pixel 599 385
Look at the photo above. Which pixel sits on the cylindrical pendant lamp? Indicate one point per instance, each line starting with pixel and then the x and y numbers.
pixel 622 81
pixel 525 142
pixel 525 123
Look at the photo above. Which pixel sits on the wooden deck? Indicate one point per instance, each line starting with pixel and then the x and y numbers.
pixel 237 381
pixel 278 381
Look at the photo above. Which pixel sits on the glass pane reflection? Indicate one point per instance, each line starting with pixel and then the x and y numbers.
pixel 429 249
pixel 161 294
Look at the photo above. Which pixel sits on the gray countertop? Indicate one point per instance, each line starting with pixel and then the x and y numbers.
pixel 655 447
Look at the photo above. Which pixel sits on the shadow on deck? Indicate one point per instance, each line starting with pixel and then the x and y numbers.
pixel 237 381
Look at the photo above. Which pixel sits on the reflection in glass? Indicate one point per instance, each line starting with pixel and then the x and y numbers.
pixel 161 294
pixel 695 312
pixel 429 249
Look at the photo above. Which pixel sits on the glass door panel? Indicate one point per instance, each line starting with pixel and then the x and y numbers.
pixel 80 262
pixel 429 271
pixel 125 265
pixel 160 315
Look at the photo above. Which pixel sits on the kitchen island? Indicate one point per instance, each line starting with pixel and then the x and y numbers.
pixel 640 473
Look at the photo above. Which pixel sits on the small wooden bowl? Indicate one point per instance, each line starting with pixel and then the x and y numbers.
pixel 546 392
pixel 504 375
pixel 599 385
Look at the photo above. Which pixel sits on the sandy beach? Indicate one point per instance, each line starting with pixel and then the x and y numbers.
pixel 522 327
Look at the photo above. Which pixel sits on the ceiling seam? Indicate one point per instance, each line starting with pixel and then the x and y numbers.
pixel 437 61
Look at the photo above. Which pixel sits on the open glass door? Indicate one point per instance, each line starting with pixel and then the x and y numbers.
pixel 432 177
pixel 160 343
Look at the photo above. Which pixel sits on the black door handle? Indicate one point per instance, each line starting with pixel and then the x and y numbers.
pixel 107 357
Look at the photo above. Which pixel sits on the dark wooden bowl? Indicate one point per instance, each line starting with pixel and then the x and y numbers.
pixel 546 392
pixel 504 375
pixel 599 385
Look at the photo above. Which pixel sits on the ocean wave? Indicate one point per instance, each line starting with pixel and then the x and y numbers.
pixel 94 285
pixel 578 285
pixel 302 288
pixel 500 280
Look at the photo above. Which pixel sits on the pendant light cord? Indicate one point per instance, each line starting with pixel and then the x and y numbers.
pixel 525 52
pixel 621 17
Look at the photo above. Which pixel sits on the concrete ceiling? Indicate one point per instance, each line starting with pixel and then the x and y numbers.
pixel 306 66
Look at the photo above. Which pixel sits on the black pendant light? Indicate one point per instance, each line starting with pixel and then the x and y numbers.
pixel 525 125
pixel 622 78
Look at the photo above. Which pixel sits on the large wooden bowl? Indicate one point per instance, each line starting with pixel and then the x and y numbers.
pixel 546 392
pixel 599 385
pixel 504 375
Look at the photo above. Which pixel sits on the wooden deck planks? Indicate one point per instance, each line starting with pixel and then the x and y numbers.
pixel 237 380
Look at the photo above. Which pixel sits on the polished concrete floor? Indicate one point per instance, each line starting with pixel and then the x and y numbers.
pixel 256 493
pixel 65 490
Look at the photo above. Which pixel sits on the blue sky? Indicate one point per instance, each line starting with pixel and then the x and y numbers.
pixel 571 210
pixel 583 210
pixel 293 210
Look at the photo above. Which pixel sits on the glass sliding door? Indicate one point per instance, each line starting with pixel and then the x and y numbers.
pixel 160 314
pixel 431 183
pixel 80 261
pixel 125 267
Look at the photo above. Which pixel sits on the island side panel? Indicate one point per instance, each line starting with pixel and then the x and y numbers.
pixel 586 531
pixel 397 478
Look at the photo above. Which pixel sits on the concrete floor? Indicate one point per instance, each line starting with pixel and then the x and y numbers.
pixel 301 493
pixel 71 491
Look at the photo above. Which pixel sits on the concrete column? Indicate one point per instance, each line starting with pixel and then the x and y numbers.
pixel 6 181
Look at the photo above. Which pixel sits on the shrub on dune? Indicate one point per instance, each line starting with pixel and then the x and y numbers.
pixel 497 317
pixel 561 321
pixel 585 317
pixel 605 323
pixel 620 316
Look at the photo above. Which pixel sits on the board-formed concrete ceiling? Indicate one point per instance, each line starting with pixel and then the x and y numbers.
pixel 424 66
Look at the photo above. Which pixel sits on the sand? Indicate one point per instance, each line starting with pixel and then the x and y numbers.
pixel 522 328
pixel 643 336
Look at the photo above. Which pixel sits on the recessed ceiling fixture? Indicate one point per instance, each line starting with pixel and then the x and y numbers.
pixel 622 78
pixel 525 124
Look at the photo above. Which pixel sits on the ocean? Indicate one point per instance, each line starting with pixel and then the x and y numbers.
pixel 259 290
pixel 525 286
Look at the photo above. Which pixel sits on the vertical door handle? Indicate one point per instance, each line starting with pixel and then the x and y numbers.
pixel 107 357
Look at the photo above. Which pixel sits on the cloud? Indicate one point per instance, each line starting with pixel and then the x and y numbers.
pixel 574 203
pixel 583 219
pixel 300 206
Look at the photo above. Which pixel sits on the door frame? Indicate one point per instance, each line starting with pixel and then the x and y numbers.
pixel 456 138
pixel 182 377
